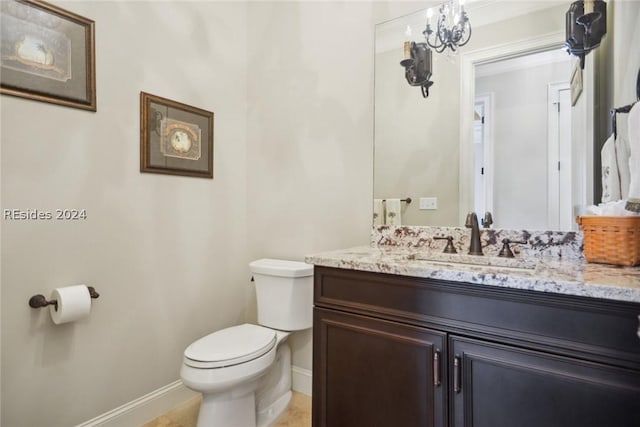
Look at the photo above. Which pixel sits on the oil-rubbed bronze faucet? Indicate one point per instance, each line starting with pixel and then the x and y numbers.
pixel 475 247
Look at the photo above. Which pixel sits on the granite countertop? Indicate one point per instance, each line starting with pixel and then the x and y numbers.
pixel 569 276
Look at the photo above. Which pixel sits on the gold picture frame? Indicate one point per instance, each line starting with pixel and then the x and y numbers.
pixel 175 138
pixel 47 54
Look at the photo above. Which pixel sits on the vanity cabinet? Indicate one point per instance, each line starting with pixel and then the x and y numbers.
pixel 403 351
pixel 496 385
pixel 372 363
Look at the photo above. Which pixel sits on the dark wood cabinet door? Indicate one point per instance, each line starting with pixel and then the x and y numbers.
pixel 370 372
pixel 494 385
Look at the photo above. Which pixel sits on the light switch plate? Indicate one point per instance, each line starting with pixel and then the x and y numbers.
pixel 428 203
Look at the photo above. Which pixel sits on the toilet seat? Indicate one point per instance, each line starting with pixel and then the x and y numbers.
pixel 231 346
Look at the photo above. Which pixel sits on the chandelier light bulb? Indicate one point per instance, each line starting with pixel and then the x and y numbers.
pixel 407 43
pixel 588 6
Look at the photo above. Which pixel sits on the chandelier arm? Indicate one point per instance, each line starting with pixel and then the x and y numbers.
pixel 435 44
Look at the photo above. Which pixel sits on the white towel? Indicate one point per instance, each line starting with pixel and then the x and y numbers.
pixel 633 122
pixel 393 214
pixel 610 175
pixel 622 157
pixel 378 212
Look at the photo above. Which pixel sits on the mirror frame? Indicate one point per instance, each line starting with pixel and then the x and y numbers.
pixel 468 61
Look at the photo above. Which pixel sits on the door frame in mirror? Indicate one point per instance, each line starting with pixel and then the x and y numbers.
pixel 468 61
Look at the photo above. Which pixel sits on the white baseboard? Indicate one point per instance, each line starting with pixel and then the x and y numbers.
pixel 301 380
pixel 145 408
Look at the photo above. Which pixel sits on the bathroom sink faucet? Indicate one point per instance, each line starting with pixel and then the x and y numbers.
pixel 475 247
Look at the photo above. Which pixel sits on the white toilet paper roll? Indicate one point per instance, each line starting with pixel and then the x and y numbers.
pixel 74 302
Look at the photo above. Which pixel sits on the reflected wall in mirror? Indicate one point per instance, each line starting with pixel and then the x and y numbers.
pixel 522 147
pixel 435 147
pixel 523 161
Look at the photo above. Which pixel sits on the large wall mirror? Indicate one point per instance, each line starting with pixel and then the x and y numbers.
pixel 499 131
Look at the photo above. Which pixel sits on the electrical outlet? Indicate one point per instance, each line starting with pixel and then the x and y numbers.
pixel 428 203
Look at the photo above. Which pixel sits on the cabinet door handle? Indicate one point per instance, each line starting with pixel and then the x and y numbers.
pixel 456 374
pixel 436 368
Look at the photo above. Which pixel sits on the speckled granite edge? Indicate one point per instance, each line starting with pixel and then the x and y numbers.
pixel 566 245
pixel 569 277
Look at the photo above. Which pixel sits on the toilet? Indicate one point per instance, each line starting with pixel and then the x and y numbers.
pixel 244 371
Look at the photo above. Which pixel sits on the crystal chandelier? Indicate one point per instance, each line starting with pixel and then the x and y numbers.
pixel 453 28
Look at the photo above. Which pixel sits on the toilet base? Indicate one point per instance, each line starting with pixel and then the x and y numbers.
pixel 229 411
pixel 269 415
pixel 274 392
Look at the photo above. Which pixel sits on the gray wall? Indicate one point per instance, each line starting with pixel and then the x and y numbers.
pixel 310 127
pixel 416 138
pixel 167 254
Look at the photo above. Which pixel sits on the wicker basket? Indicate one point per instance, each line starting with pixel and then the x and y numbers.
pixel 611 239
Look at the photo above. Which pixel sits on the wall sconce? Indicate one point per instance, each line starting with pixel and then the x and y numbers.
pixel 418 65
pixel 586 25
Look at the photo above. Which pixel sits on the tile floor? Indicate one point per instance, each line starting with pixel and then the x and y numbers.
pixel 298 414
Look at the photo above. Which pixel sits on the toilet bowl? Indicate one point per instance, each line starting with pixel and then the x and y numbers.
pixel 244 371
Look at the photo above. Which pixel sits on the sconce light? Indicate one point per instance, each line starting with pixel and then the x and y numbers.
pixel 418 66
pixel 453 29
pixel 586 25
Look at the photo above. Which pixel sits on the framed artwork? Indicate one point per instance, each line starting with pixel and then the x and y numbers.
pixel 576 83
pixel 175 138
pixel 47 54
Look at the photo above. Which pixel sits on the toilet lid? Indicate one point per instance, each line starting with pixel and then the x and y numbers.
pixel 230 346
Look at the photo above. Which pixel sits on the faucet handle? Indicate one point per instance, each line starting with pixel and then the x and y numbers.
pixel 449 249
pixel 506 251
pixel 471 218
pixel 487 220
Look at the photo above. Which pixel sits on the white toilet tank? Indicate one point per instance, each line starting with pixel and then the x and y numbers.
pixel 284 292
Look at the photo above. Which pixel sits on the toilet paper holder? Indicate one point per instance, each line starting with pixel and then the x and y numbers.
pixel 39 301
